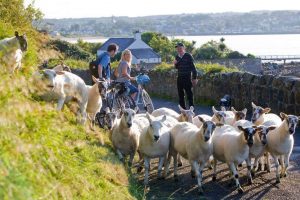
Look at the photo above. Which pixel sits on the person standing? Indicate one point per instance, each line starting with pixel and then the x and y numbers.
pixel 186 76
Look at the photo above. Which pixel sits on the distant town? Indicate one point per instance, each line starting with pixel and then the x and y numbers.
pixel 256 22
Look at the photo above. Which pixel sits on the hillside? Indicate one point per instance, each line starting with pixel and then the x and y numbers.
pixel 257 22
pixel 44 154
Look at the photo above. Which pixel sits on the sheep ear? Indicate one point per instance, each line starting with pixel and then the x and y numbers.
pixel 245 111
pixel 253 105
pixel 219 124
pixel 233 110
pixel 180 108
pixel 272 128
pixel 16 33
pixel 266 110
pixel 164 118
pixel 149 117
pixel 214 110
pixel 201 119
pixel 283 115
pixel 192 108
pixel 60 73
pixel 241 128
pixel 95 79
pixel 136 109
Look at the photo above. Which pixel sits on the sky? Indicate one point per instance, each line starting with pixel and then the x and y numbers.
pixel 134 8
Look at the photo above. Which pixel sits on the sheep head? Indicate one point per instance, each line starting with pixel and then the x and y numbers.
pixel 248 134
pixel 291 122
pixel 187 114
pixel 239 115
pixel 155 126
pixel 208 128
pixel 22 41
pixel 127 117
pixel 258 112
pixel 102 86
pixel 262 132
pixel 220 115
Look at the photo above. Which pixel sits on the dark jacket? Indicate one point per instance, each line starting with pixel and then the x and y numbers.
pixel 186 66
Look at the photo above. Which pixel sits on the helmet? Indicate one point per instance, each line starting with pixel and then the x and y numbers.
pixel 142 79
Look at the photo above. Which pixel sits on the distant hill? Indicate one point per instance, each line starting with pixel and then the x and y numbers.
pixel 256 22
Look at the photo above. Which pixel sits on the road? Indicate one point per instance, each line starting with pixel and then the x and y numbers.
pixel 263 186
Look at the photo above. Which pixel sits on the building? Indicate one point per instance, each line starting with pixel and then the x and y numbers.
pixel 141 52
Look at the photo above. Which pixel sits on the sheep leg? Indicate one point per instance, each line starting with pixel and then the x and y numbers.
pixel 83 113
pixel 253 170
pixel 267 162
pixel 147 167
pixel 140 162
pixel 277 168
pixel 286 164
pixel 121 157
pixel 175 166
pixel 130 161
pixel 215 170
pixel 166 167
pixel 160 165
pixel 198 171
pixel 193 174
pixel 60 103
pixel 179 161
pixel 232 167
pixel 248 161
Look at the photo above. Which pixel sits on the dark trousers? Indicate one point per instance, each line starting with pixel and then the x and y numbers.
pixel 184 85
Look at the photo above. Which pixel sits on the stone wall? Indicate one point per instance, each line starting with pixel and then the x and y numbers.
pixel 281 94
pixel 252 65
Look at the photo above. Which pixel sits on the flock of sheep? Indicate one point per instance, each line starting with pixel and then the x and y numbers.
pixel 203 140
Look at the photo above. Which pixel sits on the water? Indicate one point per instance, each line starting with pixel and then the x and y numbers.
pixel 285 44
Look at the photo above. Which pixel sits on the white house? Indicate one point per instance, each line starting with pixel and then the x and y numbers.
pixel 141 52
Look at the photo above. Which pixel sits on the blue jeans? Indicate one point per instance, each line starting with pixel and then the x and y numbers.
pixel 132 88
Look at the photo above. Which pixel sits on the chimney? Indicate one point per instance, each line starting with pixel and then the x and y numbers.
pixel 137 35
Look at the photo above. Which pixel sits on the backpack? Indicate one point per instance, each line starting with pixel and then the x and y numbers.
pixel 93 66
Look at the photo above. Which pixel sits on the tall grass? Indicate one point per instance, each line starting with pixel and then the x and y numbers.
pixel 44 154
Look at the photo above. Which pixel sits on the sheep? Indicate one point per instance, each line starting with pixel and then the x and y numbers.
pixel 184 116
pixel 261 115
pixel 223 116
pixel 96 93
pixel 154 141
pixel 11 52
pixel 67 85
pixel 125 136
pixel 232 147
pixel 194 144
pixel 281 142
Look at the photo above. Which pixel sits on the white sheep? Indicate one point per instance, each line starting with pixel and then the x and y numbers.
pixel 184 116
pixel 68 85
pixel 261 115
pixel 281 142
pixel 232 147
pixel 96 93
pixel 11 52
pixel 125 136
pixel 194 144
pixel 154 140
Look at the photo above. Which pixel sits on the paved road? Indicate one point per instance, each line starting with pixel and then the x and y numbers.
pixel 264 186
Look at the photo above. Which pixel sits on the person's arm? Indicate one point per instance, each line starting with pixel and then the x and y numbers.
pixel 103 63
pixel 176 62
pixel 194 71
pixel 100 68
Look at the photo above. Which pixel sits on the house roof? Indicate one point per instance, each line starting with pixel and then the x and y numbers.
pixel 144 53
pixel 123 43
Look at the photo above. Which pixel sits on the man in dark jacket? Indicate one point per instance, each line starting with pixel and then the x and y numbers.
pixel 186 76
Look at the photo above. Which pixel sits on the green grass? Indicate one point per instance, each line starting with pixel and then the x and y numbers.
pixel 73 63
pixel 44 154
pixel 205 68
